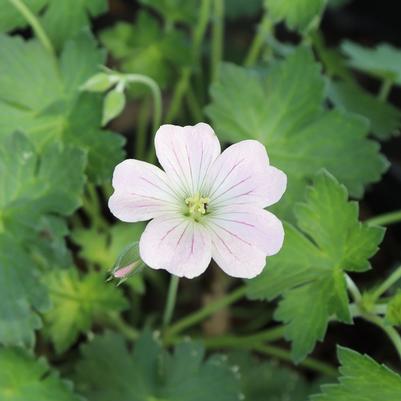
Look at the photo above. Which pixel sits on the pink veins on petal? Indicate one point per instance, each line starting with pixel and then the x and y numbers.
pixel 204 204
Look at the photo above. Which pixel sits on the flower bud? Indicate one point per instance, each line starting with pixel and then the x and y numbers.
pixel 127 264
pixel 100 82
pixel 113 105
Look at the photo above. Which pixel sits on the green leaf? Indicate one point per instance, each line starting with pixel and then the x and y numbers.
pixel 267 381
pixel 284 110
pixel 99 82
pixel 42 99
pixel 110 371
pixel 385 119
pixel 362 379
pixel 113 105
pixel 63 21
pixel 21 295
pixel 174 11
pixel 76 303
pixel 24 378
pixel 298 14
pixel 11 18
pixel 310 269
pixel 60 20
pixel 382 61
pixel 33 189
pixel 144 48
pixel 103 248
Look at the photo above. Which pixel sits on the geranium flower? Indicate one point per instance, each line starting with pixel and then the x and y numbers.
pixel 205 204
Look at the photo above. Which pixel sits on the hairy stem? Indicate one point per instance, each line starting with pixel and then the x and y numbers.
pixel 179 93
pixel 171 299
pixel 386 284
pixel 33 21
pixel 385 89
pixel 264 29
pixel 385 219
pixel 269 335
pixel 204 312
pixel 391 332
pixel 200 29
pixel 217 38
pixel 285 355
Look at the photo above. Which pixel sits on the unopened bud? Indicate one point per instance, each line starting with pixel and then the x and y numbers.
pixel 98 83
pixel 127 264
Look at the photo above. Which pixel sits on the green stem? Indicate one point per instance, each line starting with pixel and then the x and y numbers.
pixel 33 21
pixel 385 89
pixel 179 92
pixel 385 219
pixel 270 335
pixel 193 105
pixel 285 355
pixel 353 289
pixel 171 299
pixel 206 311
pixel 264 29
pixel 391 332
pixel 117 322
pixel 143 119
pixel 386 284
pixel 157 100
pixel 217 38
pixel 200 29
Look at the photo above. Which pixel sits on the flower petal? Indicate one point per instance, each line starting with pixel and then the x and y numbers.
pixel 186 154
pixel 242 237
pixel 241 175
pixel 257 227
pixel 176 244
pixel 142 191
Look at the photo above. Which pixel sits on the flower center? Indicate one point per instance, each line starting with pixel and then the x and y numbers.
pixel 197 206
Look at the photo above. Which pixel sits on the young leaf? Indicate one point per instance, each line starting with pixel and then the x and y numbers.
pixel 385 119
pixel 76 303
pixel 43 99
pixel 113 105
pixel 24 378
pixel 309 270
pixel 382 61
pixel 284 110
pixel 297 14
pixel 109 371
pixel 362 379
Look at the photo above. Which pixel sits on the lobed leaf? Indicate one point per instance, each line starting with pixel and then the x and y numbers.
pixel 362 379
pixel 24 378
pixel 109 371
pixel 285 110
pixel 309 272
pixel 42 99
pixel 76 303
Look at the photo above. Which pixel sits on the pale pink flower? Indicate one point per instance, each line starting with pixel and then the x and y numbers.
pixel 204 204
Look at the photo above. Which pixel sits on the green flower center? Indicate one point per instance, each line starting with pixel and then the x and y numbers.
pixel 197 206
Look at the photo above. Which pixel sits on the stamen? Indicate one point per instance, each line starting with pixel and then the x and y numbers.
pixel 197 206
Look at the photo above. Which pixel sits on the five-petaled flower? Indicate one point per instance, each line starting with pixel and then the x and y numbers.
pixel 205 204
